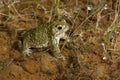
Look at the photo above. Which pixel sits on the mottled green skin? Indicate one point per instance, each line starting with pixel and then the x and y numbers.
pixel 43 36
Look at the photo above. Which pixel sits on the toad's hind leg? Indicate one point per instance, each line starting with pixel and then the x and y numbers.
pixel 27 52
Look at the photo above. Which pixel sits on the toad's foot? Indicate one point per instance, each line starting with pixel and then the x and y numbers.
pixel 27 52
pixel 59 56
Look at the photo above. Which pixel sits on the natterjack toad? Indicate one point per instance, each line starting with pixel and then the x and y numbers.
pixel 45 35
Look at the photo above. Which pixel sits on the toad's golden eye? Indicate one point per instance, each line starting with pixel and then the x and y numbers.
pixel 59 27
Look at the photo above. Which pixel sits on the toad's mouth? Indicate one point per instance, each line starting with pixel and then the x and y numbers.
pixel 64 30
pixel 61 32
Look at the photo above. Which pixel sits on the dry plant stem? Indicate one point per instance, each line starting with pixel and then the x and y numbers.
pixel 112 26
pixel 57 2
pixel 78 26
pixel 111 33
pixel 76 2
pixel 116 50
pixel 7 64
pixel 88 3
pixel 4 14
pixel 105 56
pixel 50 17
pixel 117 14
pixel 71 30
pixel 107 15
pixel 114 41
pixel 12 8
pixel 99 17
pixel 11 16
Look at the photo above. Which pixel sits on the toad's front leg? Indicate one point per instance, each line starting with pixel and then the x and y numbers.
pixel 65 37
pixel 56 50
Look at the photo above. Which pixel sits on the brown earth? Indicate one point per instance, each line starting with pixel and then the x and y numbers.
pixel 92 54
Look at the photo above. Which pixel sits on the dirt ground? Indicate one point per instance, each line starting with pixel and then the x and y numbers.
pixel 93 52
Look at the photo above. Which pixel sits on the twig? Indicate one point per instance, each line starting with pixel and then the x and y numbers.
pixel 99 17
pixel 86 19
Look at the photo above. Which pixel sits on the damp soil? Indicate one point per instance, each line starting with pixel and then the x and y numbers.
pixel 93 52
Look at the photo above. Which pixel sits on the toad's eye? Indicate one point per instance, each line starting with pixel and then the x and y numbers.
pixel 59 27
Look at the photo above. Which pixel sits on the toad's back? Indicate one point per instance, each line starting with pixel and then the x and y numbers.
pixel 38 36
